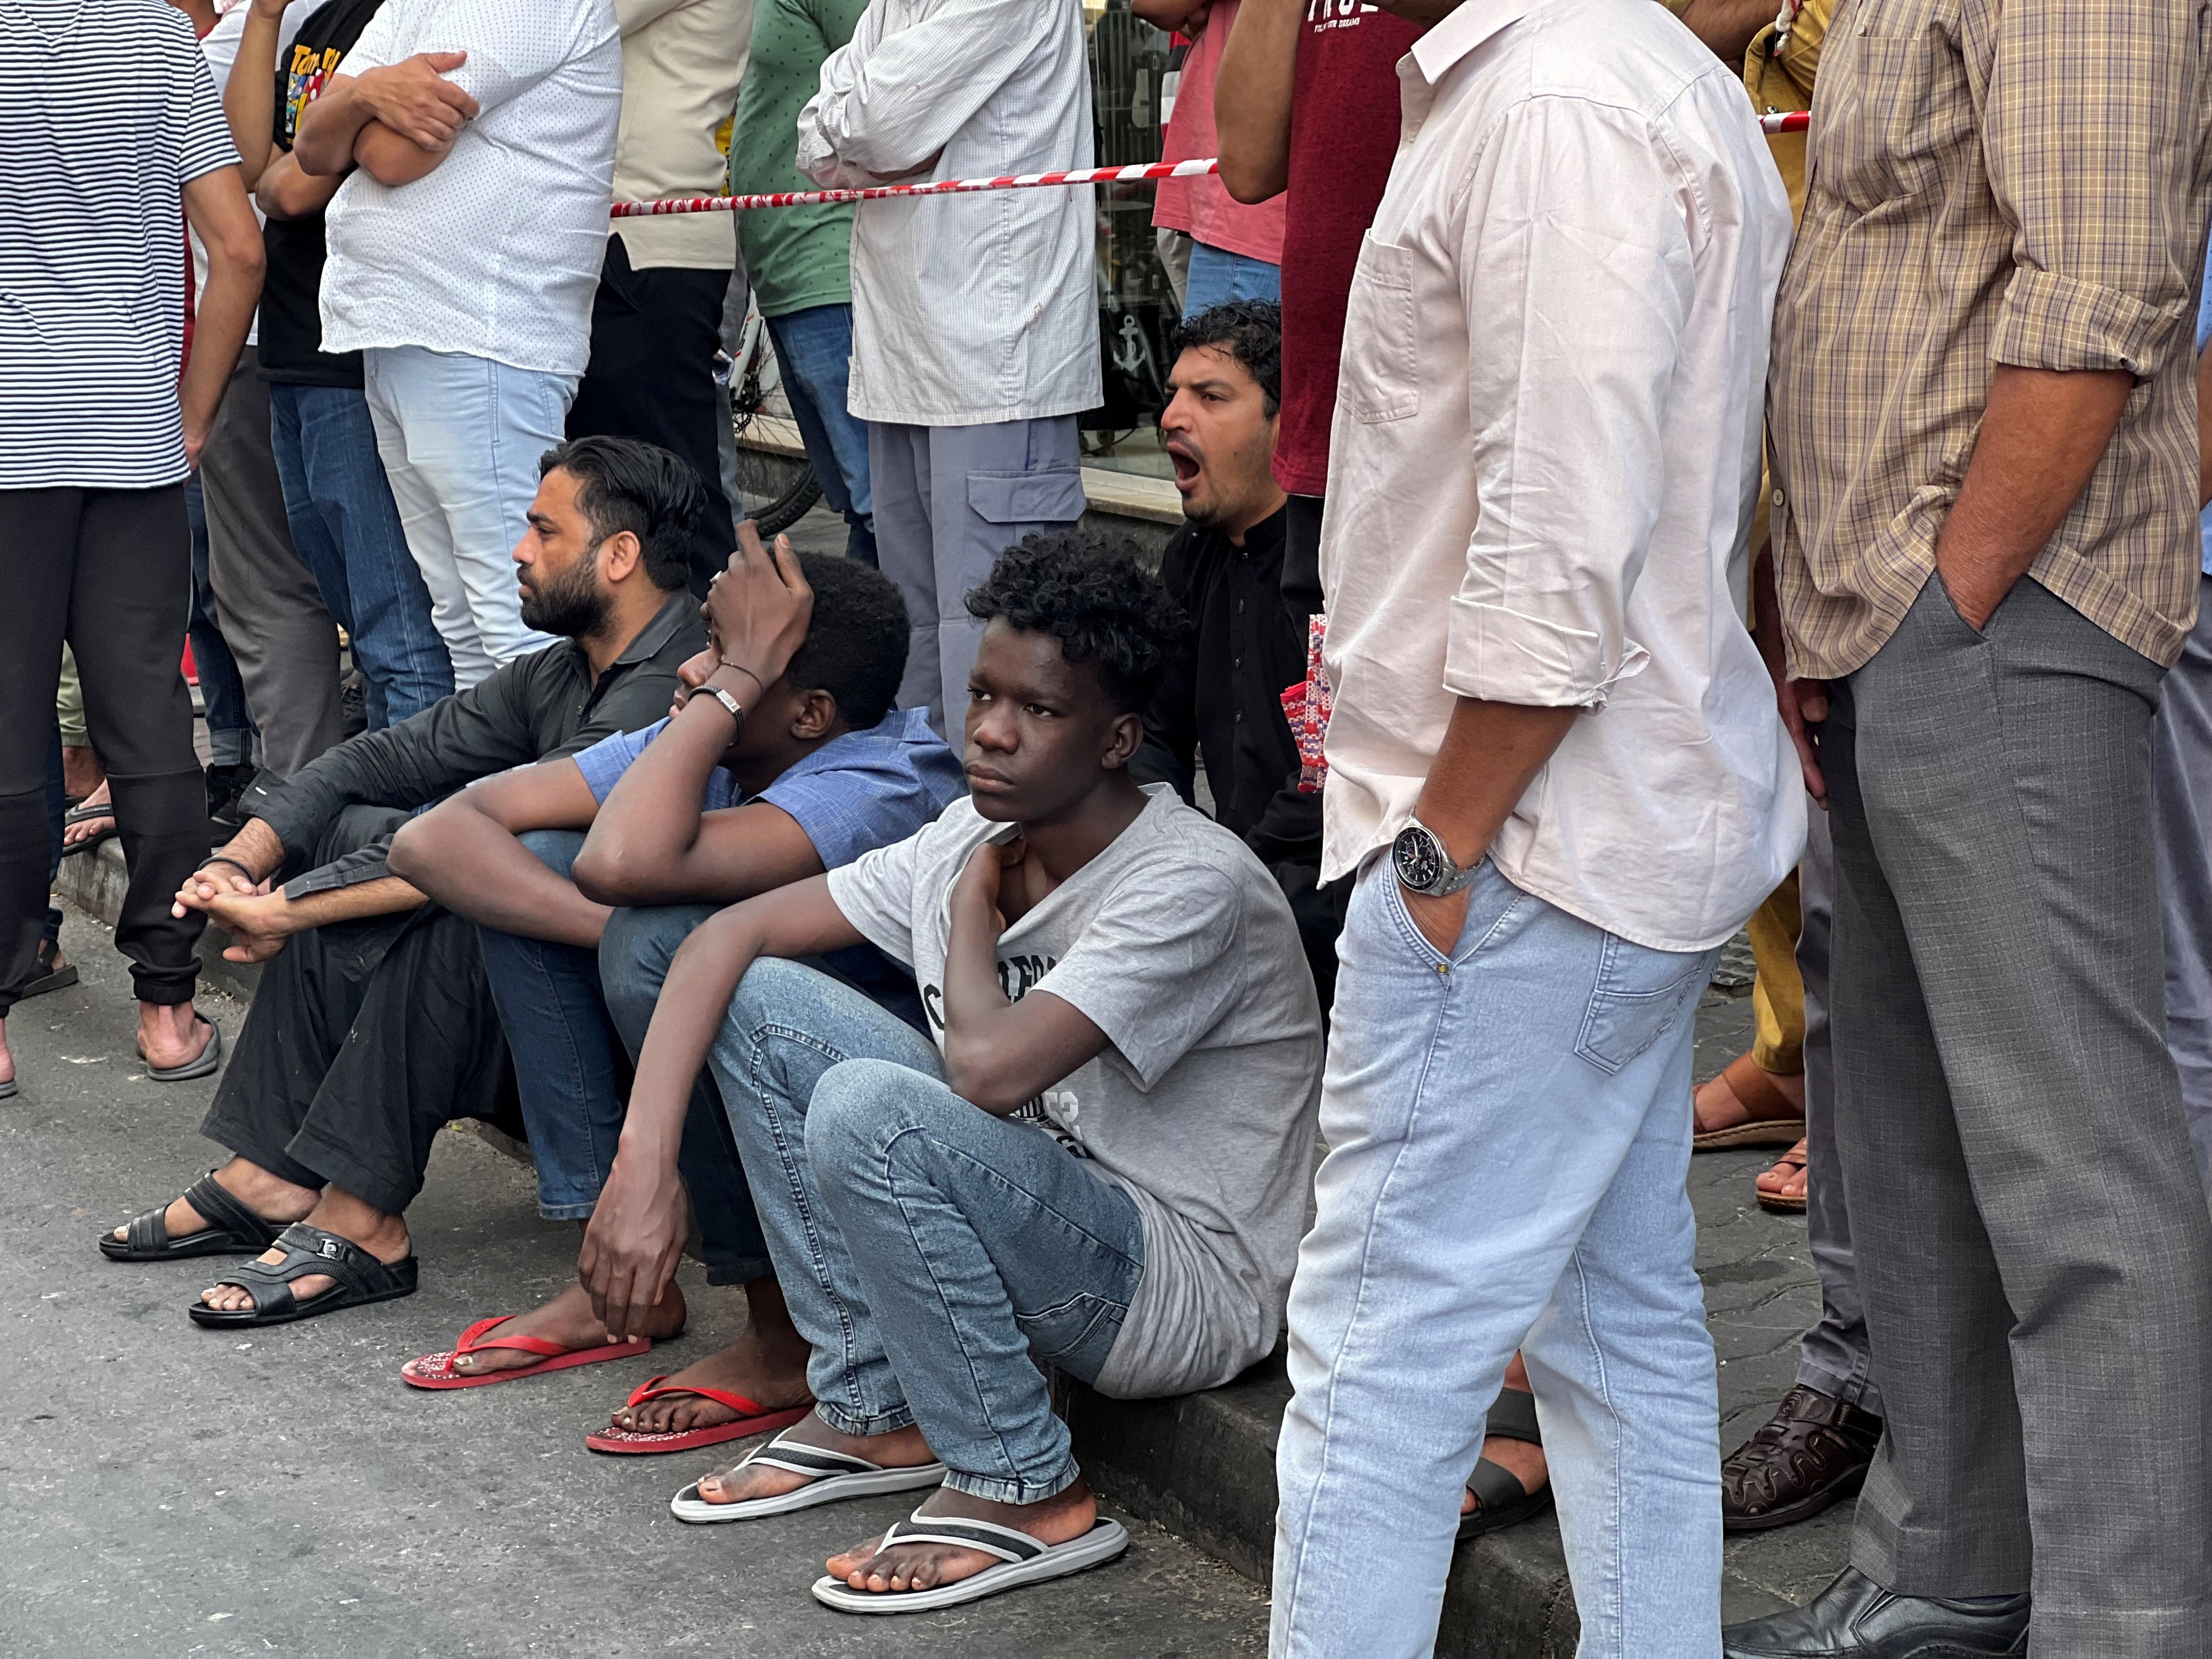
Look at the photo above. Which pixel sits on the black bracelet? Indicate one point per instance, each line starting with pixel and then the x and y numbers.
pixel 725 662
pixel 218 858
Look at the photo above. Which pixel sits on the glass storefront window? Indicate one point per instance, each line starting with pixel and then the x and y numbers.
pixel 1129 60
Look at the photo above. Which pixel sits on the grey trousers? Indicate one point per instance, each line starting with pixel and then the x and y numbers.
pixel 267 603
pixel 2181 791
pixel 949 500
pixel 1835 1357
pixel 2031 1239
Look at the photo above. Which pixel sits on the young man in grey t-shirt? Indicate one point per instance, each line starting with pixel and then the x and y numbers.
pixel 1099 1163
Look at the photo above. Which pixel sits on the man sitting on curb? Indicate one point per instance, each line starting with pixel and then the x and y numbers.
pixel 374 1028
pixel 1101 1162
pixel 683 818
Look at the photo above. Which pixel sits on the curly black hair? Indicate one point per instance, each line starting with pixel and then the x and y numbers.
pixel 1093 597
pixel 855 646
pixel 625 484
pixel 1250 331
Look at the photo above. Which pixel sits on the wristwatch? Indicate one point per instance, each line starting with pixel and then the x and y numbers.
pixel 1423 866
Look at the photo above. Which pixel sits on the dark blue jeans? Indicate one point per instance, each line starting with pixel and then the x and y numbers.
pixel 814 349
pixel 576 1020
pixel 232 736
pixel 346 527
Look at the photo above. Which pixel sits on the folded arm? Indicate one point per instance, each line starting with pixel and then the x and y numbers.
pixel 367 119
pixel 465 853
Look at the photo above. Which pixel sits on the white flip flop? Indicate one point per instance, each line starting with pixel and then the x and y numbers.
pixel 1022 1560
pixel 834 1477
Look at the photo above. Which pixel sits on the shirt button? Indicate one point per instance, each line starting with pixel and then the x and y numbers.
pixel 1778 498
pixel 1240 607
pixel 1240 717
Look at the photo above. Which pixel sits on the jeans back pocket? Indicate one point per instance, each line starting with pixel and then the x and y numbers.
pixel 1639 993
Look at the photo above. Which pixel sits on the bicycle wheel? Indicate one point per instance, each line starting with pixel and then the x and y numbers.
pixel 788 508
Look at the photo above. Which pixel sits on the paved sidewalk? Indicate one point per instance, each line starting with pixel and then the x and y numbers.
pixel 167 1491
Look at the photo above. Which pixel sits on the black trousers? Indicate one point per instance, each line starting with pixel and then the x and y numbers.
pixel 110 572
pixel 652 376
pixel 364 1039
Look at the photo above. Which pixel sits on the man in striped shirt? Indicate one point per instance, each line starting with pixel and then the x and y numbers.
pixel 113 122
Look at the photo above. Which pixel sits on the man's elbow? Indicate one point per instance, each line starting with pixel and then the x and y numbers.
pixel 413 855
pixel 604 876
pixel 976 1079
pixel 1249 183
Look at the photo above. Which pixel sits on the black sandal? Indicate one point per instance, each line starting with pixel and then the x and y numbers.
pixel 1505 1502
pixel 232 1230
pixel 359 1278
pixel 88 813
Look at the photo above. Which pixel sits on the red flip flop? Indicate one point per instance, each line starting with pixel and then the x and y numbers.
pixel 753 1418
pixel 436 1370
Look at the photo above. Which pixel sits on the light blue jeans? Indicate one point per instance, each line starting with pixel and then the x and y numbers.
pixel 1508 1135
pixel 814 351
pixel 460 439
pixel 934 1254
pixel 1217 277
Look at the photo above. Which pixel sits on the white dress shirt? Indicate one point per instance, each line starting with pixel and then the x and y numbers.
pixel 967 309
pixel 1544 460
pixel 496 252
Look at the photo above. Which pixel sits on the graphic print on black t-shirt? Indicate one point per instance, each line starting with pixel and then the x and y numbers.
pixel 291 318
pixel 1055 1110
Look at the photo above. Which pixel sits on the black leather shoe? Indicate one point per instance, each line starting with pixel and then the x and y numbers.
pixel 1856 1618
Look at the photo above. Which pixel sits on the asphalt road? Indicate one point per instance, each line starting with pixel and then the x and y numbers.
pixel 168 1491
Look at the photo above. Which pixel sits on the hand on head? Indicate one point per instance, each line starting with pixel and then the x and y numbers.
pixel 757 611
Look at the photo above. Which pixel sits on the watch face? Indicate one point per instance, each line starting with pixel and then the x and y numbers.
pixel 1419 859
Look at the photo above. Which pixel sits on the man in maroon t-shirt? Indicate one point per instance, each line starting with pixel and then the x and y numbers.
pixel 1306 104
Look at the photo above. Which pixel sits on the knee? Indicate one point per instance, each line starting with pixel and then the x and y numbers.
pixel 861 1116
pixel 555 849
pixel 635 947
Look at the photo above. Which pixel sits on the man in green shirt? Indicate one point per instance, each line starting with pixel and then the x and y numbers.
pixel 799 256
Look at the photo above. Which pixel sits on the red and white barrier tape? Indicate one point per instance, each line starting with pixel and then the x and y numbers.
pixel 1795 121
pixel 943 187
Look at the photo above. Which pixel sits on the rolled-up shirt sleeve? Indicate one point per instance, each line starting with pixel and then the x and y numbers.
pixel 887 103
pixel 1576 275
pixel 2089 124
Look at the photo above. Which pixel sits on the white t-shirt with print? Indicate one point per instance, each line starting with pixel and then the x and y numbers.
pixel 1177 944
pixel 496 252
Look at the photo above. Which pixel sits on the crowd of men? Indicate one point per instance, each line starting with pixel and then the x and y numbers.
pixel 1605 527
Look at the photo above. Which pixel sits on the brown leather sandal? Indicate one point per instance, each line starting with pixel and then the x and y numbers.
pixel 1777 1202
pixel 1775 1120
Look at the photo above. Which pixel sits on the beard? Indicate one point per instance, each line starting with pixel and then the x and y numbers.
pixel 571 605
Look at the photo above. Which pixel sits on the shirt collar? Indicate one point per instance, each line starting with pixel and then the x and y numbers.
pixel 1474 21
pixel 657 632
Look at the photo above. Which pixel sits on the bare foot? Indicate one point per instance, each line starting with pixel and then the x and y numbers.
pixel 383 1236
pixel 271 1199
pixel 750 1366
pixel 1717 1105
pixel 81 773
pixel 567 1320
pixel 1523 1461
pixel 172 1034
pixel 901 1448
pixel 1788 1178
pixel 1059 1519
pixel 85 829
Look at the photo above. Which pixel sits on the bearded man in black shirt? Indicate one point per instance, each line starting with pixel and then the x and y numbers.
pixel 1221 699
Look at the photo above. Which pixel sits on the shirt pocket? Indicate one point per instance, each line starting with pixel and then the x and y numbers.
pixel 1877 138
pixel 1379 379
pixel 1640 993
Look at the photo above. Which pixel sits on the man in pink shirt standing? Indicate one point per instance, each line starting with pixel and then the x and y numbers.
pixel 1237 251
